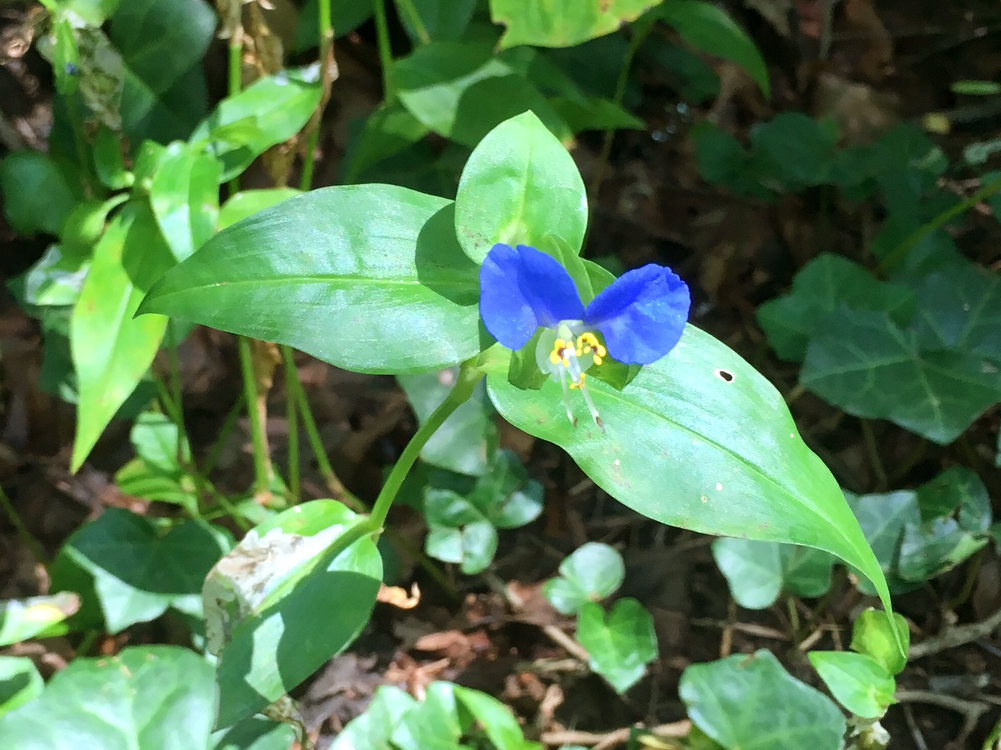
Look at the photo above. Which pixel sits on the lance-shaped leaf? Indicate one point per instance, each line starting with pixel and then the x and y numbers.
pixel 111 349
pixel 370 278
pixel 700 440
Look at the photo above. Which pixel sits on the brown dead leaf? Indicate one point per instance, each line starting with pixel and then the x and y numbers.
pixel 398 597
pixel 875 61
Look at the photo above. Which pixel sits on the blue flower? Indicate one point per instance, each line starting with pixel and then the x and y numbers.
pixel 640 316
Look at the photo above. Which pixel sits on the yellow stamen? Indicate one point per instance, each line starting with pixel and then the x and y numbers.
pixel 587 343
pixel 579 383
pixel 561 349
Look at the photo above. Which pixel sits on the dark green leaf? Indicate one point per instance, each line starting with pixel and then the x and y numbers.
pixel 136 569
pixel 162 44
pixel 145 697
pixel 369 278
pixel 373 728
pixel 387 131
pixel 459 532
pixel 38 194
pixel 709 29
pixel 257 734
pixel 871 368
pixel 961 310
pixel 752 703
pixel 439 19
pixel 109 162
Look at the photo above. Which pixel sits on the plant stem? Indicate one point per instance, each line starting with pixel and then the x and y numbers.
pixel 460 393
pixel 292 418
pixel 29 541
pixel 262 462
pixel 297 395
pixel 234 81
pixel 898 253
pixel 640 31
pixel 385 51
pixel 326 34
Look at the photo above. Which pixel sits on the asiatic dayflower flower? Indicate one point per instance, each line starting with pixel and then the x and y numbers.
pixel 640 316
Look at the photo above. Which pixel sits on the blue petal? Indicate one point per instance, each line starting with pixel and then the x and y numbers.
pixel 521 289
pixel 641 314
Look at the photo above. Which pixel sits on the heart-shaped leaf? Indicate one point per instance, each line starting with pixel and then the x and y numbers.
pixel 621 646
pixel 591 573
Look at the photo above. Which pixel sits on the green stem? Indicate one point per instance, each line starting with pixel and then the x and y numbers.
pixel 297 394
pixel 228 424
pixel 326 34
pixel 292 418
pixel 385 51
pixel 897 254
pixel 262 463
pixel 408 7
pixel 460 393
pixel 234 81
pixel 641 29
pixel 176 391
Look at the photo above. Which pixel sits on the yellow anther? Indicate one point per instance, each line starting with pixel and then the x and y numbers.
pixel 587 343
pixel 561 348
pixel 578 383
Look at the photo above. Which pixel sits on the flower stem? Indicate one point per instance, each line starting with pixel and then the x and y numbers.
pixel 262 462
pixel 385 51
pixel 465 383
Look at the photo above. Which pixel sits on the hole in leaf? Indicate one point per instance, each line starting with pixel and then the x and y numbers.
pixel 724 375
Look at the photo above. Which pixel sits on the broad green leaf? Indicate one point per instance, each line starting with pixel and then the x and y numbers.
pixel 519 186
pixel 86 223
pixel 160 470
pixel 562 23
pixel 38 195
pixel 135 568
pixel 369 278
pixel 372 729
pixel 267 112
pixel 871 368
pixel 162 45
pixel 858 682
pixel 710 29
pixel 20 682
pixel 505 494
pixel 159 441
pixel 155 697
pixel 752 703
pixel 111 349
pixel 821 286
pixel 463 443
pixel 462 90
pixel 276 648
pixel 594 113
pixel 591 573
pixel 872 635
pixel 246 203
pixel 798 150
pixel 184 195
pixel 21 619
pixel 700 440
pixel 620 646
pixel 961 310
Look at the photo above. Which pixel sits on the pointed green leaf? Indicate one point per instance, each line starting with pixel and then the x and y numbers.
pixel 858 682
pixel 184 195
pixel 112 350
pixel 369 278
pixel 519 185
pixel 700 440
pixel 563 23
